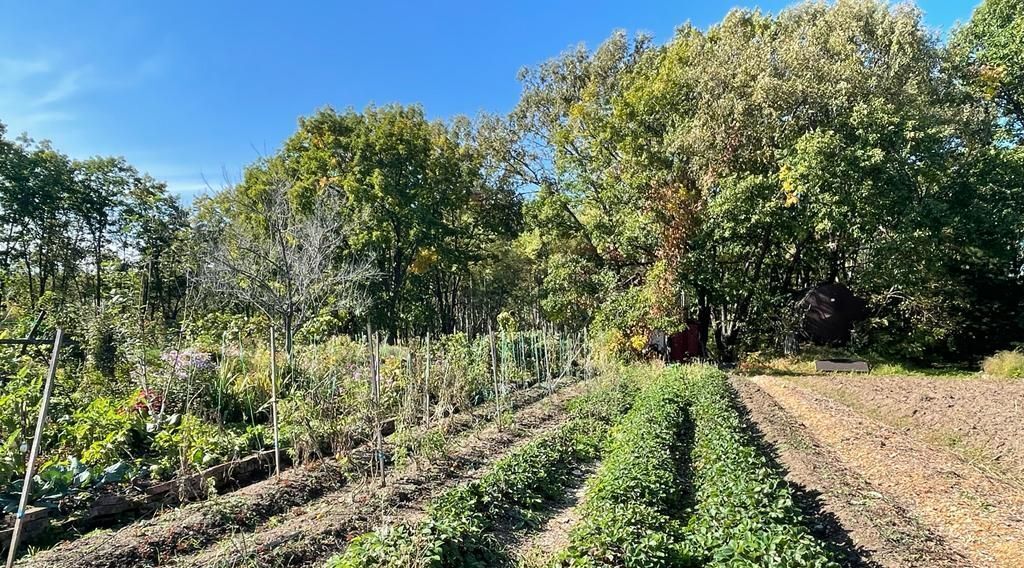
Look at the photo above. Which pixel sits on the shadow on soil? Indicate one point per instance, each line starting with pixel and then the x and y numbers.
pixel 822 524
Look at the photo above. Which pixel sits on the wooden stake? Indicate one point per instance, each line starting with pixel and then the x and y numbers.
pixel 273 403
pixel 376 409
pixel 494 374
pixel 32 332
pixel 377 460
pixel 536 355
pixel 547 355
pixel 426 386
pixel 26 487
pixel 586 354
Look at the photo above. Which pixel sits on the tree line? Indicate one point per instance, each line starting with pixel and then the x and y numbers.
pixel 710 179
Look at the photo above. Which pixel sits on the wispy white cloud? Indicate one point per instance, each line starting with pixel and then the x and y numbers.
pixel 67 85
pixel 43 95
pixel 44 90
pixel 12 70
pixel 185 181
pixel 30 121
pixel 35 92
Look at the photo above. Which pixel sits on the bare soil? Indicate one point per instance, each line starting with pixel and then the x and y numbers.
pixel 192 528
pixel 980 419
pixel 536 546
pixel 973 512
pixel 865 527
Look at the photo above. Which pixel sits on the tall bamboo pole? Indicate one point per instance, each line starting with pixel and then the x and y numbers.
pixel 273 403
pixel 494 373
pixel 426 385
pixel 586 354
pixel 26 487
pixel 547 355
pixel 377 460
pixel 376 408
pixel 536 354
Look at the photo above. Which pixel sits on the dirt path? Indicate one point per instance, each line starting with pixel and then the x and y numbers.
pixel 975 513
pixel 868 528
pixel 528 547
pixel 310 534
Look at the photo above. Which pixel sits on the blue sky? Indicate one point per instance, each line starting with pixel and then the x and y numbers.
pixel 191 90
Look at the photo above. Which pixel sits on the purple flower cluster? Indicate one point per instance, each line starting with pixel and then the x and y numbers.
pixel 188 362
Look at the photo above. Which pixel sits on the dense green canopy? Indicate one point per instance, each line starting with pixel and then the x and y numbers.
pixel 712 179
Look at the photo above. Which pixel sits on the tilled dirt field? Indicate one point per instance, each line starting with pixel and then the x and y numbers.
pixel 311 512
pixel 902 495
pixel 980 419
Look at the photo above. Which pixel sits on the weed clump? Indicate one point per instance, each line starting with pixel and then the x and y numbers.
pixel 1005 364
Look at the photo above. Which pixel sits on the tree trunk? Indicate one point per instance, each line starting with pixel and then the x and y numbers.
pixel 288 336
pixel 99 271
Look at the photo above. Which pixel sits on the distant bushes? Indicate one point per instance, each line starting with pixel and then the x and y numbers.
pixel 1006 364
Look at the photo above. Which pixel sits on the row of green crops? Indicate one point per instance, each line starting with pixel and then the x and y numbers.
pixel 457 531
pixel 683 484
pixel 635 502
pixel 745 513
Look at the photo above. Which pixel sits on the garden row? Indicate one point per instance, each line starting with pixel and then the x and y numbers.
pixel 202 419
pixel 205 523
pixel 458 528
pixel 681 483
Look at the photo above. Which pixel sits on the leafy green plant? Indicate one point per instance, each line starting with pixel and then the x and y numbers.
pixel 745 513
pixel 101 433
pixel 193 443
pixel 635 501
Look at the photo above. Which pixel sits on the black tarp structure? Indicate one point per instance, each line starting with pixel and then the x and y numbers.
pixel 829 312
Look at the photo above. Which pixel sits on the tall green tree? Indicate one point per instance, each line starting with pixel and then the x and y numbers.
pixel 416 198
pixel 830 142
pixel 992 46
pixel 102 187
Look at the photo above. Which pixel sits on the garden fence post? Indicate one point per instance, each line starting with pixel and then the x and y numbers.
pixel 426 385
pixel 586 354
pixel 547 356
pixel 26 487
pixel 536 354
pixel 32 332
pixel 379 434
pixel 273 402
pixel 494 374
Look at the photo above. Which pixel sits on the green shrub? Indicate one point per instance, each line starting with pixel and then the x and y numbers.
pixel 628 534
pixel 1006 364
pixel 102 432
pixel 194 444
